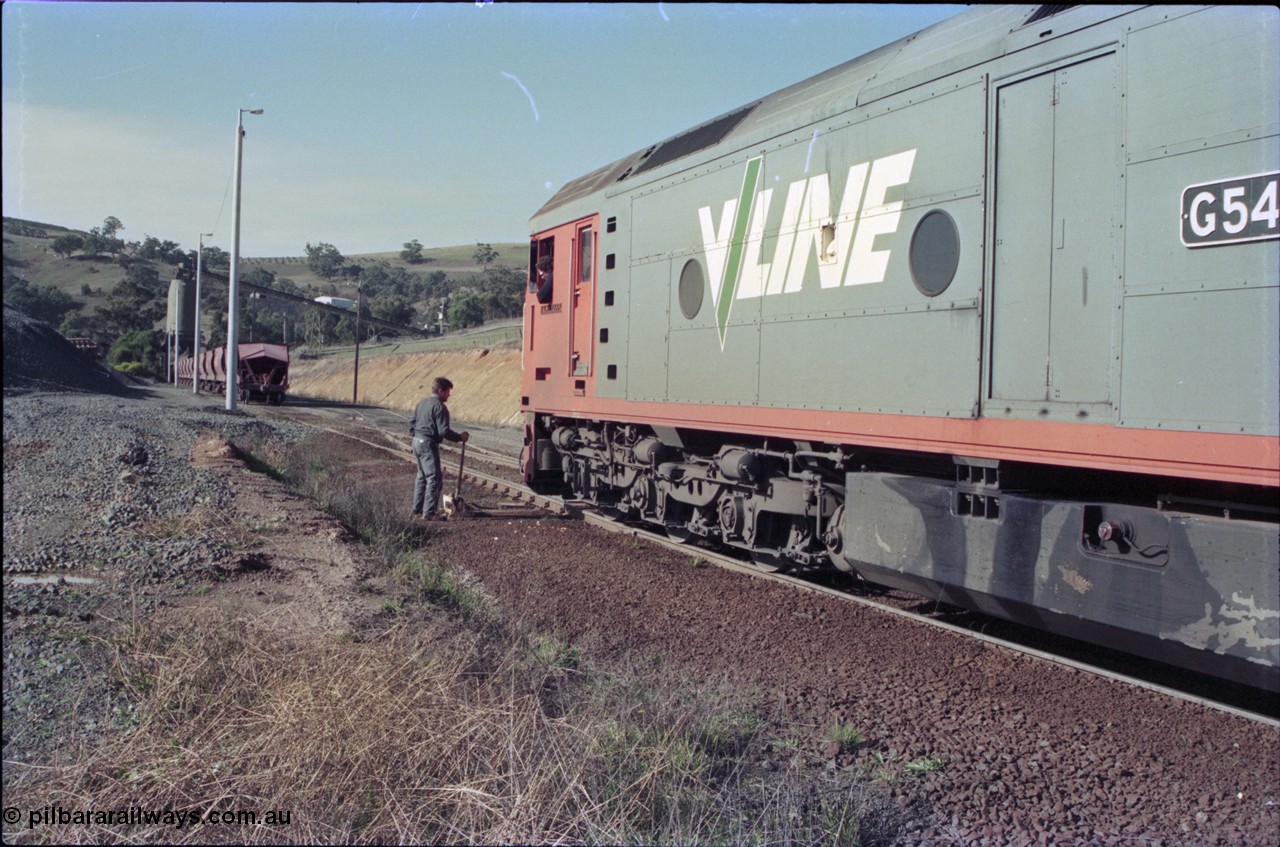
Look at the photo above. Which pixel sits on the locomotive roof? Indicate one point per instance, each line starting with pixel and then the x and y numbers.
pixel 964 41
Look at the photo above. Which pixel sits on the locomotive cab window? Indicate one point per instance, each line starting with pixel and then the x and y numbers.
pixel 584 256
pixel 541 265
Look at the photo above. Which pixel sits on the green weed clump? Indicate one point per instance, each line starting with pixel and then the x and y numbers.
pixel 849 738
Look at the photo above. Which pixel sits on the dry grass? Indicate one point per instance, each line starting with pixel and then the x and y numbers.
pixel 460 730
pixel 402 739
pixel 209 524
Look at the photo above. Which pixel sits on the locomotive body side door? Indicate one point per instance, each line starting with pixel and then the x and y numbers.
pixel 1055 275
pixel 559 316
pixel 582 301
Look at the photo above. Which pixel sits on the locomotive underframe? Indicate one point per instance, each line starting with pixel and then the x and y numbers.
pixel 1145 565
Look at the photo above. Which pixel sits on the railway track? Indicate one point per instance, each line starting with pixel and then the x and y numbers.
pixel 364 427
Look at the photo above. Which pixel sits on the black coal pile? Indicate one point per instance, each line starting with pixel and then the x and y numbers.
pixel 37 357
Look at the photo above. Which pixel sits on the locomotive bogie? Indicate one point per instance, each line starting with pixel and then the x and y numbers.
pixel 779 502
pixel 992 313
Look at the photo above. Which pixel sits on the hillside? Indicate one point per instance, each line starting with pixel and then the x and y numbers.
pixel 30 258
pixel 486 381
pixel 93 283
pixel 455 261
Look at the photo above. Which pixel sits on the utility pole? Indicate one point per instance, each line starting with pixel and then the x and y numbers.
pixel 355 377
pixel 233 289
pixel 195 351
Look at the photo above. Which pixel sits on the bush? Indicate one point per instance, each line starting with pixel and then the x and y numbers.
pixel 42 302
pixel 134 369
pixel 143 348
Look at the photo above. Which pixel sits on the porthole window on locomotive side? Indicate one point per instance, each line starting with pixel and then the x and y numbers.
pixel 935 253
pixel 691 289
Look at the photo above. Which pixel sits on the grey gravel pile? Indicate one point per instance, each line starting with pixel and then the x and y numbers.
pixel 36 356
pixel 96 484
pixel 74 501
pixel 85 469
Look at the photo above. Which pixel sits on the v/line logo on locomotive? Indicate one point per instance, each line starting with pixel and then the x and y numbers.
pixel 1213 214
pixel 843 244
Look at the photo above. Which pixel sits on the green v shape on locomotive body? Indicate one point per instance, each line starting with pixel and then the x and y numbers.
pixel 737 245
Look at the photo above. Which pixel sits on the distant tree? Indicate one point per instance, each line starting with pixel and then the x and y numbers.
pixel 404 282
pixel 217 325
pixel 143 346
pixel 375 279
pixel 435 286
pixel 344 329
pixel 260 321
pixel 95 243
pixel 392 307
pixel 503 292
pixel 101 240
pixel 65 245
pixel 259 276
pixel 412 252
pixel 30 230
pixel 137 302
pixel 216 257
pixel 271 326
pixel 79 325
pixel 161 251
pixel 484 255
pixel 42 302
pixel 466 310
pixel 111 226
pixel 324 260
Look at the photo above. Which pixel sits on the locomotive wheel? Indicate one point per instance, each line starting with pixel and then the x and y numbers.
pixel 833 540
pixel 578 482
pixel 681 534
pixel 767 562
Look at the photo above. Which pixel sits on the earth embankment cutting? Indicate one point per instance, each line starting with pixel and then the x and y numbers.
pixel 486 381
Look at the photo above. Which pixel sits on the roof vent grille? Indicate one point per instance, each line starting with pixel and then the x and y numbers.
pixel 698 138
pixel 1048 10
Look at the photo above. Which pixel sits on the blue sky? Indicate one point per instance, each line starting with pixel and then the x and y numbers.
pixel 448 123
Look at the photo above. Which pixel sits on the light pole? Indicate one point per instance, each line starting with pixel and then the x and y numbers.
pixel 355 377
pixel 195 350
pixel 233 290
